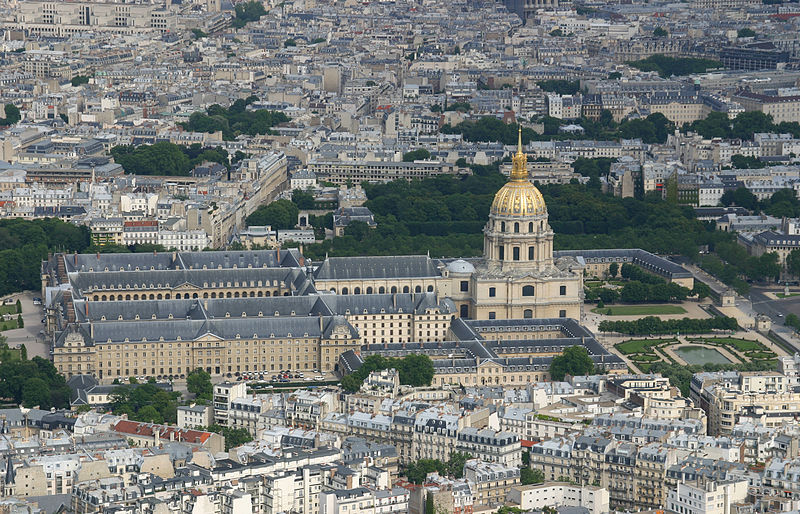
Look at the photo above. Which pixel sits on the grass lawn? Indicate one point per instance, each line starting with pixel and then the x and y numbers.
pixel 8 325
pixel 782 295
pixel 639 345
pixel 742 345
pixel 639 310
pixel 8 309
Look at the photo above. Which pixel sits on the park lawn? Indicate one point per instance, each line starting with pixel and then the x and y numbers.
pixel 8 325
pixel 8 309
pixel 639 345
pixel 742 345
pixel 782 295
pixel 639 310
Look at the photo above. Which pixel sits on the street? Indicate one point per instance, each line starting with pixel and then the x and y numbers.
pixel 32 317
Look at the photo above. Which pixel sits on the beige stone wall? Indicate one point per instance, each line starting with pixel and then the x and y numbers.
pixel 163 358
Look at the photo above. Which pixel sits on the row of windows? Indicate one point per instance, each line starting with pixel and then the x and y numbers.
pixel 526 291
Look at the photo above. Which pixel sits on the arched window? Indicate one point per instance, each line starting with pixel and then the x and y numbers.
pixel 369 290
pixel 405 289
pixel 417 289
pixel 381 290
pixel 527 291
pixel 502 226
pixel 516 227
pixel 430 289
pixel 393 290
pixel 345 290
pixel 527 314
pixel 530 227
pixel 357 290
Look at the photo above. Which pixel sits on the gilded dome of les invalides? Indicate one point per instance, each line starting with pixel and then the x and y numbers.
pixel 519 197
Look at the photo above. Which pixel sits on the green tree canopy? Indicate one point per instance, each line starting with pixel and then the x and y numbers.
pixel 667 66
pixel 416 155
pixel 198 381
pixel 280 215
pixel 574 361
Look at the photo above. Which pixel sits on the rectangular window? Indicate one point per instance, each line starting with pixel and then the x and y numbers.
pixel 563 290
pixel 492 292
pixel 562 313
pixel 530 253
pixel 515 251
pixel 492 315
pixel 464 285
pixel 502 250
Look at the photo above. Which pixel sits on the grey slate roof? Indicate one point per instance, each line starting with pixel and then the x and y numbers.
pixel 403 266
pixel 645 259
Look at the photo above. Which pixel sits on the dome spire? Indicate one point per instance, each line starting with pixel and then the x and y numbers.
pixel 519 168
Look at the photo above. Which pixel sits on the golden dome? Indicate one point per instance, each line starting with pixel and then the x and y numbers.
pixel 518 197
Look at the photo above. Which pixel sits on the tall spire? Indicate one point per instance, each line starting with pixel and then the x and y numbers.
pixel 519 168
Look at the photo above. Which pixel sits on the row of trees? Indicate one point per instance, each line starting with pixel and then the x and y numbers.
pixel 415 370
pixel 743 126
pixel 165 158
pixel 669 66
pixel 638 292
pixel 649 325
pixel 25 243
pixel 732 265
pixel 235 120
pixel 653 129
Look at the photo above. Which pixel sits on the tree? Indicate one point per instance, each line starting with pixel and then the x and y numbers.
pixel 455 466
pixel 417 471
pixel 793 262
pixel 429 507
pixel 574 361
pixel 19 306
pixel 23 352
pixel 36 393
pixel 198 382
pixel 149 414
pixel 701 289
pixel 531 476
pixel 12 114
pixel 613 269
pixel 303 199
pixel 20 323
pixel 746 32
pixel 280 215
pixel 416 370
pixel 660 32
pixel 247 12
pixel 234 437
pixel 289 42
